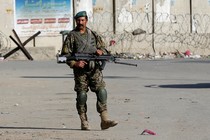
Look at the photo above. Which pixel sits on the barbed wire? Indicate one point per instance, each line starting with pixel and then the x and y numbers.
pixel 175 30
pixel 170 30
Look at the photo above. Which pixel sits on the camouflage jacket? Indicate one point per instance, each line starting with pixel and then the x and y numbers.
pixel 76 42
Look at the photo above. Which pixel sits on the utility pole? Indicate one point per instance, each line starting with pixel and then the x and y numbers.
pixel 153 26
pixel 191 18
pixel 114 16
pixel 73 6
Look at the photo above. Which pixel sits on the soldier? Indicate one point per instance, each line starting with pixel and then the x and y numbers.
pixel 84 40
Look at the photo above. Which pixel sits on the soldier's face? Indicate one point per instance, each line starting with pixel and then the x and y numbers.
pixel 81 22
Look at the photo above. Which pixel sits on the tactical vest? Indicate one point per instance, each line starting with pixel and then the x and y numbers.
pixel 84 43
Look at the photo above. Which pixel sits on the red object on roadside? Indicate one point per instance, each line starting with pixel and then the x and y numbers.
pixel 148 132
pixel 188 53
pixel 112 42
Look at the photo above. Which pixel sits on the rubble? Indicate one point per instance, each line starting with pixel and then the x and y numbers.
pixel 162 55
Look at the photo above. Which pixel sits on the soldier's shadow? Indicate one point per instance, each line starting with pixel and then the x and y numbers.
pixel 41 128
pixel 71 76
pixel 38 128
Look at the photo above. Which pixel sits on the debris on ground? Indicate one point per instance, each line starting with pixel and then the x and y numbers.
pixel 149 132
pixel 162 55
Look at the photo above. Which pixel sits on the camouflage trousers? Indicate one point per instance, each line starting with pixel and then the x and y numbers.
pixel 93 80
pixel 88 79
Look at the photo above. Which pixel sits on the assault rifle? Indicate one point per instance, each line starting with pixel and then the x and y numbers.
pixel 92 58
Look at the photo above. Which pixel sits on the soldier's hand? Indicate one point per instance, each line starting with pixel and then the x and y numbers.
pixel 99 52
pixel 80 64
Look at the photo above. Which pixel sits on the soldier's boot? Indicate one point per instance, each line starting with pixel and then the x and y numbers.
pixel 84 121
pixel 105 122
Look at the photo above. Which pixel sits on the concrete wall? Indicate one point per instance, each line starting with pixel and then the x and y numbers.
pixel 116 21
pixel 46 46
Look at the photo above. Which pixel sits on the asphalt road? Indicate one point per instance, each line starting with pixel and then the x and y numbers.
pixel 168 97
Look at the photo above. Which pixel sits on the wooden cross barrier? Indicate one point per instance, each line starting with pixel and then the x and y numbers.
pixel 20 45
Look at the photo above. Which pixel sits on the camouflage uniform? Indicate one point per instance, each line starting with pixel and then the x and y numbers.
pixel 86 78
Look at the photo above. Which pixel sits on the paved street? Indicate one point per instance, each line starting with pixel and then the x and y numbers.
pixel 168 97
